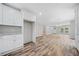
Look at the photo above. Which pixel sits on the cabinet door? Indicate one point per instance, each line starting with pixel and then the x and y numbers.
pixel 19 20
pixel 0 14
pixel 8 16
pixel 11 16
pixel 10 42
pixel 6 44
pixel 17 40
pixel 1 45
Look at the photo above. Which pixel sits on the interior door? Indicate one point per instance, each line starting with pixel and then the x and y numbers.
pixel 27 32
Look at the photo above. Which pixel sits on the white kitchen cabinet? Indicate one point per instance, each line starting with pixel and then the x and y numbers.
pixel 18 41
pixel 11 16
pixel 10 42
pixel 19 20
pixel 1 14
pixel 5 44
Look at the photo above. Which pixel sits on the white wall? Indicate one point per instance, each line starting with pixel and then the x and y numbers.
pixel 72 29
pixel 27 16
pixel 39 29
pixel 77 26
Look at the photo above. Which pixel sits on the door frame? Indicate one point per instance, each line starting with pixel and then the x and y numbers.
pixel 33 30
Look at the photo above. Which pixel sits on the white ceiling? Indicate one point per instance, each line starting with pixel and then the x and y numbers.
pixel 48 13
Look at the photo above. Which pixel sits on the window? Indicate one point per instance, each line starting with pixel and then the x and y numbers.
pixel 66 28
pixel 66 31
pixel 62 30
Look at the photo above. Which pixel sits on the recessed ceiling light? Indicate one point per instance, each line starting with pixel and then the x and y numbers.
pixel 40 13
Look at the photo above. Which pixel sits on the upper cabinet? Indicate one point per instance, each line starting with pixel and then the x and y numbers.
pixel 18 18
pixel 11 16
pixel 0 14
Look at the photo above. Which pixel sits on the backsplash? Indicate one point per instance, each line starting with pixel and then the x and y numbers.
pixel 10 30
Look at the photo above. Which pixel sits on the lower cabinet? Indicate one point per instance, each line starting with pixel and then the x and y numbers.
pixel 1 45
pixel 10 42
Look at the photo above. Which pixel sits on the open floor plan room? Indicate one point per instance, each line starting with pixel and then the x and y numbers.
pixel 39 29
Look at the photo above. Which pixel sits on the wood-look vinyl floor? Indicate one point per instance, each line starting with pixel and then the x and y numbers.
pixel 48 45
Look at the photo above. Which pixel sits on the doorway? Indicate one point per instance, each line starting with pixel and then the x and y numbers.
pixel 28 30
